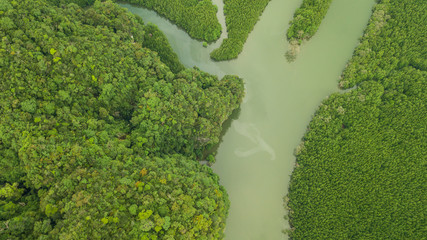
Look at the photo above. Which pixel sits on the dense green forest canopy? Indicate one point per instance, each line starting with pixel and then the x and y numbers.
pixel 240 18
pixel 361 168
pixel 153 38
pixel 100 134
pixel 306 21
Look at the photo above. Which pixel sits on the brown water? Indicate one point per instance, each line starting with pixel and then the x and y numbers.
pixel 255 159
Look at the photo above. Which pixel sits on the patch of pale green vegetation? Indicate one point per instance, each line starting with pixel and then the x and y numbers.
pixel 360 170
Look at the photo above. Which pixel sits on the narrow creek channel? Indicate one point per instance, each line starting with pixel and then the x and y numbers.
pixel 255 158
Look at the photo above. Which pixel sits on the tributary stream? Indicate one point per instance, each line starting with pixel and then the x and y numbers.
pixel 255 158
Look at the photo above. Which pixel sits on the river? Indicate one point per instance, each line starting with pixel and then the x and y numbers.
pixel 255 158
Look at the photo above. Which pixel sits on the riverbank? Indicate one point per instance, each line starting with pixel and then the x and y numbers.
pixel 255 158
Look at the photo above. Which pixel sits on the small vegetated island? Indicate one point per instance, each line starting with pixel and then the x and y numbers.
pixel 306 21
pixel 101 128
pixel 361 167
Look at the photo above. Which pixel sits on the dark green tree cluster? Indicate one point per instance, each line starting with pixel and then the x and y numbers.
pixel 196 17
pixel 361 167
pixel 81 3
pixel 99 139
pixel 306 21
pixel 240 18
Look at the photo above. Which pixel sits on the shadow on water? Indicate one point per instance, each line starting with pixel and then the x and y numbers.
pixel 225 127
pixel 227 123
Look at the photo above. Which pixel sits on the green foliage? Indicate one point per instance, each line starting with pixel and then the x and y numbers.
pixel 306 21
pixel 240 18
pixel 132 209
pixel 145 214
pixel 50 210
pixel 196 17
pixel 150 36
pixel 11 191
pixel 81 3
pixel 99 139
pixel 360 171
